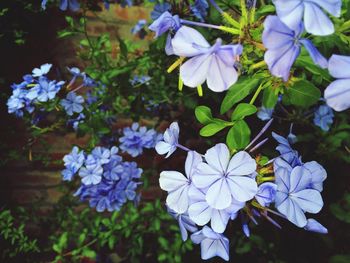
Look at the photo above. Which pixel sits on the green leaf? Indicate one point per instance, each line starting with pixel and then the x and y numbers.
pixel 303 93
pixel 238 92
pixel 212 128
pixel 242 110
pixel 203 114
pixel 307 63
pixel 269 98
pixel 238 136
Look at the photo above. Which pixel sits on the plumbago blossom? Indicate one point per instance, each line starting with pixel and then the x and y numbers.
pixel 293 12
pixel 136 138
pixel 337 94
pixel 107 181
pixel 284 45
pixel 219 186
pixel 213 64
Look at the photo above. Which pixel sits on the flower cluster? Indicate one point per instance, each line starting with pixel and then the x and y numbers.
pixel 218 187
pixel 136 138
pixel 107 181
pixel 35 88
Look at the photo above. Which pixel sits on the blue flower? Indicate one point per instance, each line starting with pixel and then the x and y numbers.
pixel 73 5
pixel 177 184
pixel 17 101
pixel 201 212
pixel 314 226
pixel 136 138
pixel 43 70
pixel 266 193
pixel 337 94
pixel 164 23
pixel 213 64
pixel 91 174
pixel 170 140
pixel 200 9
pixel 45 90
pixel 318 175
pixel 68 174
pixel 288 154
pixel 74 160
pixel 138 80
pixel 226 178
pixel 212 244
pixel 159 9
pixel 265 114
pixel 292 12
pixel 283 47
pixel 294 197
pixel 72 103
pixel 323 117
pixel 116 180
pixel 185 223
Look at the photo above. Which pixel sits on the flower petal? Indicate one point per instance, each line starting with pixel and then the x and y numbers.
pixel 337 94
pixel 300 178
pixel 292 211
pixel 178 199
pixel 316 21
pixel 218 157
pixel 200 213
pixel 242 188
pixel 241 164
pixel 195 70
pixel 205 176
pixel 219 220
pixel 218 195
pixel 339 66
pixel 172 180
pixel 308 200
pixel 192 161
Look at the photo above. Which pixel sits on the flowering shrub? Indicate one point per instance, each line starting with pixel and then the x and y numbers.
pixel 286 63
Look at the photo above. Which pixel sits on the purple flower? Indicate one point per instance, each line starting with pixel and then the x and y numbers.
pixel 283 47
pixel 226 178
pixel 201 212
pixel 266 193
pixel 45 90
pixel 139 28
pixel 159 9
pixel 177 184
pixel 136 138
pixel 337 94
pixel 213 64
pixel 294 197
pixel 72 103
pixel 185 223
pixel 323 117
pixel 164 23
pixel 292 12
pixel 200 9
pixel 74 160
pixel 170 140
pixel 73 5
pixel 43 70
pixel 288 154
pixel 212 244
pixel 91 174
pixel 314 226
pixel 265 114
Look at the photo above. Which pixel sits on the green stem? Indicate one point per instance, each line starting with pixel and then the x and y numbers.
pixel 256 94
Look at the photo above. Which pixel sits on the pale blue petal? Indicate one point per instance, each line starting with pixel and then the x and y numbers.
pixel 205 176
pixel 219 220
pixel 316 21
pixel 241 164
pixel 337 94
pixel 339 66
pixel 290 12
pixel 331 6
pixel 220 75
pixel 192 161
pixel 242 188
pixel 162 147
pixel 188 42
pixel 318 175
pixel 172 180
pixel 315 55
pixel 178 199
pixel 314 226
pixel 200 213
pixel 292 211
pixel 195 70
pixel 211 248
pixel 300 178
pixel 218 195
pixel 218 157
pixel 308 200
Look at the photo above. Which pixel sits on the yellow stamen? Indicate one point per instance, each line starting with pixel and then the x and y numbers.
pixel 200 90
pixel 31 85
pixel 175 64
pixel 180 84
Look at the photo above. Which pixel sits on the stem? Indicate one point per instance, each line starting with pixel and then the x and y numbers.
pixel 175 64
pixel 256 94
pixel 213 3
pixel 182 147
pixel 222 28
pixel 200 90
